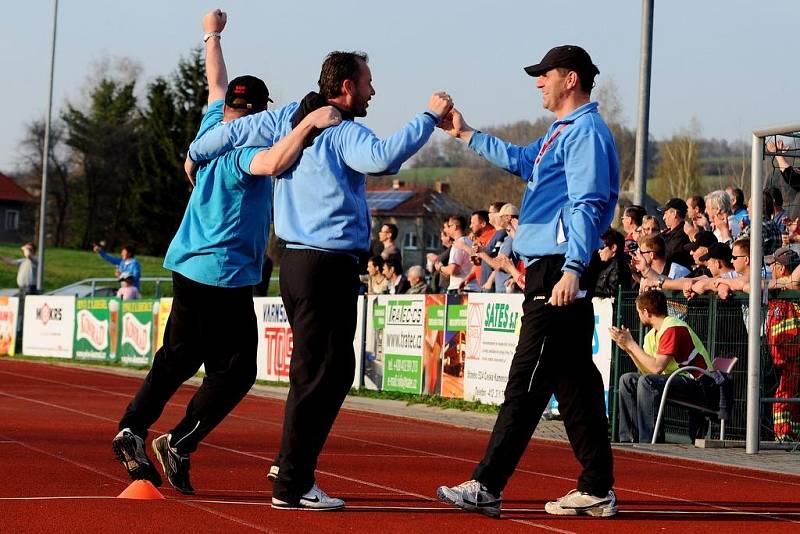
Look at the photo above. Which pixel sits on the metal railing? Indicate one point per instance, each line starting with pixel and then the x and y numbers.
pixel 76 288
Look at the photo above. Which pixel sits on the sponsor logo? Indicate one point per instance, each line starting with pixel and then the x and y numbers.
pixel 278 344
pixel 46 314
pixel 136 334
pixel 474 329
pixel 500 318
pixel 92 330
pixel 405 312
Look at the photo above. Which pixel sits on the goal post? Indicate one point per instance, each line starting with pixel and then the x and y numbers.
pixel 756 258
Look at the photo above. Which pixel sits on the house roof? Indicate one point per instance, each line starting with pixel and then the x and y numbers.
pixel 9 190
pixel 412 202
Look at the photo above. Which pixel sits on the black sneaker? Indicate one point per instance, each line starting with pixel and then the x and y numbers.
pixel 129 449
pixel 175 466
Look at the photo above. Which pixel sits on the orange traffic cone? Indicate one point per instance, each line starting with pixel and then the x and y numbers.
pixel 141 489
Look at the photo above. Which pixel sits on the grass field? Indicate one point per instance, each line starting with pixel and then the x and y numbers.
pixel 64 266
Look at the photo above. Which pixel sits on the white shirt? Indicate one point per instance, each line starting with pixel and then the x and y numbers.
pixel 462 259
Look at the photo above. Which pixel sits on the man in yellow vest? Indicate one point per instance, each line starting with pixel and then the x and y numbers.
pixel 669 345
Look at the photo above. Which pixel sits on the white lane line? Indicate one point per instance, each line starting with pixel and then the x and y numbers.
pixel 57 498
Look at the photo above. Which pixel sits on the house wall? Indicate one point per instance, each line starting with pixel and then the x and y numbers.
pixel 24 222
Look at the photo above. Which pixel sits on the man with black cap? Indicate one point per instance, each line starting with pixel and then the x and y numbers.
pixel 215 257
pixel 572 177
pixel 675 238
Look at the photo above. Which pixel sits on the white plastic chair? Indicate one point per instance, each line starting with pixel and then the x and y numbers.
pixel 720 365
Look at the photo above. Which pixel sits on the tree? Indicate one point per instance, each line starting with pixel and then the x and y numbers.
pixel 678 168
pixel 59 173
pixel 104 140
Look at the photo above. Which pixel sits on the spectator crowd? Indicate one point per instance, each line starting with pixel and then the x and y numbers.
pixel 696 245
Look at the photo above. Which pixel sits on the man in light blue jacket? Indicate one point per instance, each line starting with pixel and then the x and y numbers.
pixel 572 180
pixel 322 218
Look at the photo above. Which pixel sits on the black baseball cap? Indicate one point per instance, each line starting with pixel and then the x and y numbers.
pixel 718 251
pixel 675 203
pixel 570 57
pixel 247 92
pixel 704 238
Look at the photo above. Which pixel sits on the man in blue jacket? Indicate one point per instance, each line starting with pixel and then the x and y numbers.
pixel 321 215
pixel 572 180
pixel 215 259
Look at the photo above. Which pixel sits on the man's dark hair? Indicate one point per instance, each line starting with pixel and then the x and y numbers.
pixel 777 196
pixel 338 67
pixel 497 205
pixel 743 244
pixel 655 243
pixel 459 220
pixel 654 302
pixel 394 263
pixel 698 202
pixel 377 261
pixel 586 78
pixel 392 230
pixel 611 237
pixel 130 249
pixel 483 215
pixel 636 213
pixel 768 204
pixel 738 195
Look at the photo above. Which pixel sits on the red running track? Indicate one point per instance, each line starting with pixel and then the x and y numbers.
pixel 58 473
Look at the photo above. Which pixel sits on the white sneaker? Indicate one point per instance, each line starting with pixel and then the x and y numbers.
pixel 577 503
pixel 272 476
pixel 315 499
pixel 473 497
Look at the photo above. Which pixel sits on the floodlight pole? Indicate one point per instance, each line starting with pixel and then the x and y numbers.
pixel 46 159
pixel 643 122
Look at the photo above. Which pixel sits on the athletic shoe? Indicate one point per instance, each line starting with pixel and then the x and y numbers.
pixel 473 497
pixel 272 476
pixel 129 449
pixel 315 499
pixel 577 503
pixel 176 466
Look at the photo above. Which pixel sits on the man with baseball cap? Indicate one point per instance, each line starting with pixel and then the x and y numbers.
pixel 783 262
pixel 215 256
pixel 572 176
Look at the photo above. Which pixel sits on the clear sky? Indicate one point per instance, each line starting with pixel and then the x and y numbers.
pixel 729 63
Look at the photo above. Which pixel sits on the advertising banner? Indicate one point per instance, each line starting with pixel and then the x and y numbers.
pixel 433 348
pixel 139 319
pixel 602 344
pixel 358 341
pixel 9 310
pixel 403 333
pixel 493 322
pixel 454 344
pixel 373 351
pixel 164 307
pixel 49 326
pixel 275 339
pixel 96 328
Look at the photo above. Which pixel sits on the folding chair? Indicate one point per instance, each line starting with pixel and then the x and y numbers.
pixel 721 375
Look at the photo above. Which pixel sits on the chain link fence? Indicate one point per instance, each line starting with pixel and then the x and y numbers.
pixel 722 326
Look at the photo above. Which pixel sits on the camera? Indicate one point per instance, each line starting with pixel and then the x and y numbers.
pixel 632 245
